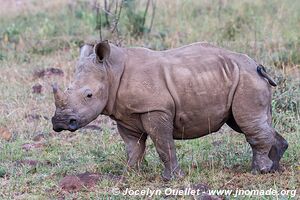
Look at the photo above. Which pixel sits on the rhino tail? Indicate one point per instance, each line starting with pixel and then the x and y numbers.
pixel 262 71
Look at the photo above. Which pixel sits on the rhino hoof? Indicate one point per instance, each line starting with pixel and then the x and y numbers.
pixel 177 174
pixel 264 170
pixel 275 167
pixel 166 178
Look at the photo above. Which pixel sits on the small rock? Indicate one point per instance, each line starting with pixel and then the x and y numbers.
pixel 5 134
pixel 37 88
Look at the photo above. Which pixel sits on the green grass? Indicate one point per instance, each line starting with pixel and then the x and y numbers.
pixel 42 36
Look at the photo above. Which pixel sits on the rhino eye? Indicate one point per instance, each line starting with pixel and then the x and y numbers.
pixel 89 95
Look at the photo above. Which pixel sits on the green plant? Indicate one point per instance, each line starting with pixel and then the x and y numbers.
pixel 136 18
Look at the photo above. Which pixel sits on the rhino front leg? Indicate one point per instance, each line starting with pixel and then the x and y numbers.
pixel 135 146
pixel 159 126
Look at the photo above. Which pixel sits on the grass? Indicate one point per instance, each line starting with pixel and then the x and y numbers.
pixel 39 35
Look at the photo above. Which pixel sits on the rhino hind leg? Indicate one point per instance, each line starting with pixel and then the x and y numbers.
pixel 232 124
pixel 261 140
pixel 277 151
pixel 251 110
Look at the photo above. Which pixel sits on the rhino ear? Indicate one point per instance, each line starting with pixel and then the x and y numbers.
pixel 102 51
pixel 86 50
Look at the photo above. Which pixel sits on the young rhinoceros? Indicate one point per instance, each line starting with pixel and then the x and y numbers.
pixel 182 93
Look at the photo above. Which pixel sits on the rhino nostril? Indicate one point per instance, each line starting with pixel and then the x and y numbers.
pixel 73 124
pixel 72 121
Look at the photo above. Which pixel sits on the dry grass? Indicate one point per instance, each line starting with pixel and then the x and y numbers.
pixel 35 35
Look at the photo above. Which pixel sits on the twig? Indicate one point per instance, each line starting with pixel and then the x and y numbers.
pixel 116 10
pixel 153 14
pixel 110 4
pixel 106 13
pixel 99 25
pixel 119 14
pixel 145 13
pixel 115 16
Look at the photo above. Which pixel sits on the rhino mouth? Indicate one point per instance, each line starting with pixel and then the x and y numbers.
pixel 58 128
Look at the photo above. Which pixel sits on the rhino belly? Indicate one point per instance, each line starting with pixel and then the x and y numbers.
pixel 199 123
pixel 200 115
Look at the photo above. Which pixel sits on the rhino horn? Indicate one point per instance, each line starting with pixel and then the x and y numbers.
pixel 58 95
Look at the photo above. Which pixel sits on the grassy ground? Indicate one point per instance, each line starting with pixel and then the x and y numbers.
pixel 35 35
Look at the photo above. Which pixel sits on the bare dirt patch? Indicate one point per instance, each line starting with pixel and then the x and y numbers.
pixel 37 88
pixel 76 182
pixel 5 134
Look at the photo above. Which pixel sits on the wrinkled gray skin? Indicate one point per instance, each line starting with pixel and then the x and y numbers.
pixel 182 93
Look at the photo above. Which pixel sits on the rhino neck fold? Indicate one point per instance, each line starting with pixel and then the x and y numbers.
pixel 115 68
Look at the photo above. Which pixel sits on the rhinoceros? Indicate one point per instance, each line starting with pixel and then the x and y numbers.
pixel 175 94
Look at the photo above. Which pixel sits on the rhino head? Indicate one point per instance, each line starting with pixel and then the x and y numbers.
pixel 87 96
